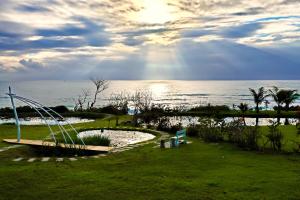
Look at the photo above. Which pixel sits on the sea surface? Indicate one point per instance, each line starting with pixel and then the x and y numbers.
pixel 168 92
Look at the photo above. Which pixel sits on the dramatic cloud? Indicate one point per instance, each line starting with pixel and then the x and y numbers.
pixel 149 39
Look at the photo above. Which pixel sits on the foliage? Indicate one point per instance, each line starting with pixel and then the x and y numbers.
pixel 210 130
pixel 210 108
pixel 244 137
pixel 258 97
pixel 110 109
pixel 96 140
pixel 275 136
pixel 164 124
pixel 192 130
pixel 243 107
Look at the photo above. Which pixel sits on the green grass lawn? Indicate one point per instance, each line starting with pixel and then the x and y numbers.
pixel 194 171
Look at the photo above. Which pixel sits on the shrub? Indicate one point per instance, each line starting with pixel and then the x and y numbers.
pixel 250 138
pixel 242 136
pixel 110 109
pixel 96 140
pixel 175 128
pixel 164 124
pixel 234 131
pixel 210 130
pixel 192 130
pixel 210 109
pixel 60 109
pixel 275 136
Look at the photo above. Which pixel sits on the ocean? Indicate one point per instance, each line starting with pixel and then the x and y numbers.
pixel 168 92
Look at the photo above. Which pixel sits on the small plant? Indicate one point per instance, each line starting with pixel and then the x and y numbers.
pixel 275 136
pixel 95 140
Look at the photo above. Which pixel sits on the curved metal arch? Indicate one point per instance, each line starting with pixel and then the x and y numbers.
pixel 43 117
pixel 57 123
pixel 53 111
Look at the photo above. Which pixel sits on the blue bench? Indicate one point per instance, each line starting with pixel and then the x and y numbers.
pixel 179 138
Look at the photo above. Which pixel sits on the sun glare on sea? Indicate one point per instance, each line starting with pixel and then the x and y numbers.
pixel 158 89
pixel 154 12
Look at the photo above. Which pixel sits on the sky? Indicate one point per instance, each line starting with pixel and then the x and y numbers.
pixel 149 39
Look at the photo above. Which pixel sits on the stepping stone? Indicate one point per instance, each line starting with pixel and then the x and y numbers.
pixel 103 155
pixel 59 159
pixel 83 157
pixel 72 159
pixel 96 156
pixel 18 159
pixel 45 159
pixel 2 150
pixel 31 159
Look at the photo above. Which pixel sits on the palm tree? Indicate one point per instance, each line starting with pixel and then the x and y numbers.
pixel 289 97
pixel 244 108
pixel 278 96
pixel 258 98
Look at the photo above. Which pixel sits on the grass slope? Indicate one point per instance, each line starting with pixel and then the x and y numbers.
pixel 195 171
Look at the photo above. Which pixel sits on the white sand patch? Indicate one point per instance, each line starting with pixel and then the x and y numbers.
pixel 39 121
pixel 120 138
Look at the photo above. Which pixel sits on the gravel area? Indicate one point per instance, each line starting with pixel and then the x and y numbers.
pixel 120 138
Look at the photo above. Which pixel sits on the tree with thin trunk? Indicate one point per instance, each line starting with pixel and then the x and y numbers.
pixel 100 85
pixel 278 96
pixel 119 102
pixel 81 100
pixel 290 96
pixel 142 102
pixel 243 108
pixel 258 98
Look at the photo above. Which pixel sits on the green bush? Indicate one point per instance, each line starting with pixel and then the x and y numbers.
pixel 210 108
pixel 275 136
pixel 234 131
pixel 210 130
pixel 192 130
pixel 242 136
pixel 96 140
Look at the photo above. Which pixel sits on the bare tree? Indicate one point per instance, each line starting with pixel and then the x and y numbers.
pixel 81 100
pixel 100 85
pixel 120 102
pixel 142 101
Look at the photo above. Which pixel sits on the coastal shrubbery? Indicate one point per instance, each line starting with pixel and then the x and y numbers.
pixel 275 136
pixel 210 130
pixel 164 124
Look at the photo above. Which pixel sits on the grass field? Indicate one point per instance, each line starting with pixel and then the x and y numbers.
pixel 194 171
